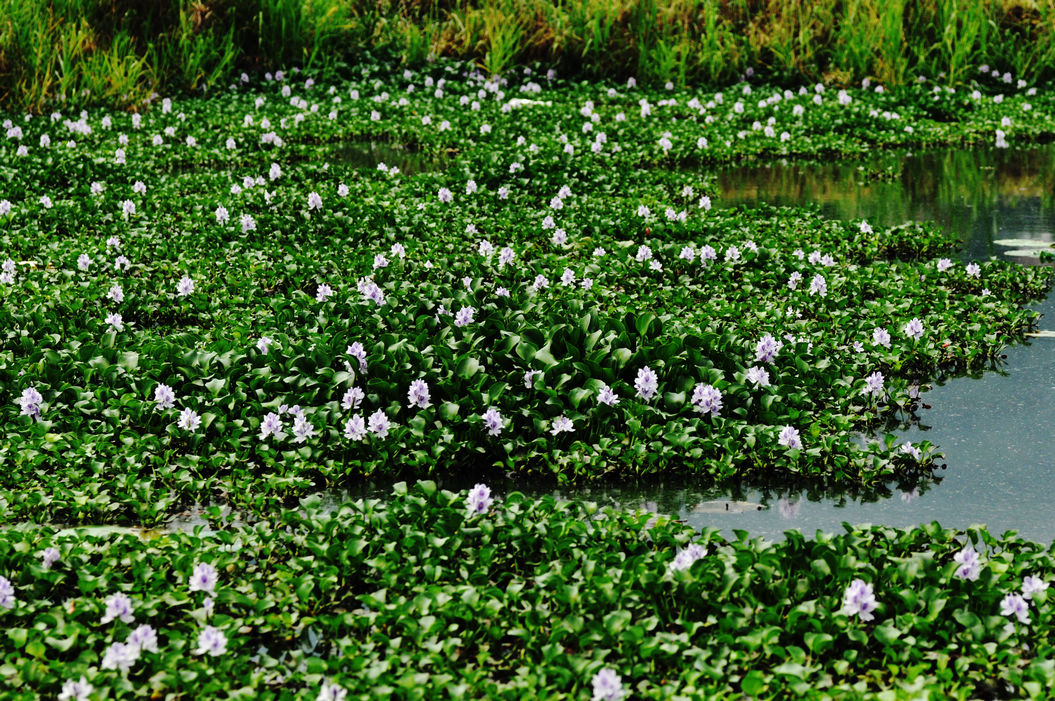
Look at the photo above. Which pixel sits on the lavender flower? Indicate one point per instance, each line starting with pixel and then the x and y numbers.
pixel 445 195
pixel 968 564
pixel 116 293
pixel 758 376
pixel 912 450
pixel 76 690
pixel 561 424
pixel 529 378
pixel 914 329
pixel 818 286
pixel 355 428
pixel 685 557
pixel 189 420
pixel 1015 605
pixel 115 321
pixel 492 421
pixel 331 692
pixel 974 270
pixel 859 600
pixel 164 396
pixel 706 399
pixel 379 424
pixel 118 606
pixel 314 201
pixel 357 351
pixel 302 429
pixel 944 264
pixel 606 396
pixel 203 578
pixel 464 317
pixel 211 641
pixel 646 383
pixel 1033 585
pixel 120 656
pixel 352 398
pixel 30 402
pixel 143 638
pixel 881 337
pixel 794 280
pixel 49 556
pixel 263 344
pixel 766 349
pixel 323 292
pixel 185 286
pixel 789 437
pixel 479 499
pixel 418 394
pixel 7 594
pixel 874 384
pixel 607 686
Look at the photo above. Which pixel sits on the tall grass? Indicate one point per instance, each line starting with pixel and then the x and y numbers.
pixel 118 51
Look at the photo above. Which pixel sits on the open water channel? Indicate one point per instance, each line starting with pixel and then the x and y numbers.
pixel 996 430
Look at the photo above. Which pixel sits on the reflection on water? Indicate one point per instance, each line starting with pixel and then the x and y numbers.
pixel 981 195
pixel 373 154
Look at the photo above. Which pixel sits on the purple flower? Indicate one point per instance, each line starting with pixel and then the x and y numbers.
pixel 881 337
pixel 270 426
pixel 912 450
pixel 561 424
pixel 968 565
pixel 331 692
pixel 203 578
pixel 914 329
pixel 758 376
pixel 379 424
pixel 189 420
pixel 211 641
pixel 464 317
pixel 874 384
pixel 818 286
pixel 1033 585
pixel 120 656
pixel 357 351
pixel 1015 605
pixel 314 201
pixel 859 600
pixel 607 686
pixel 115 321
pixel 76 690
pixel 646 383
pixel 49 557
pixel 445 195
pixel 302 429
pixel 30 402
pixel 794 280
pixel 789 437
pixel 529 378
pixel 164 396
pixel 479 499
pixel 607 397
pixel 944 264
pixel 766 349
pixel 492 421
pixel 118 606
pixel 418 394
pixel 7 594
pixel 706 399
pixel 323 292
pixel 974 270
pixel 684 559
pixel 352 398
pixel 185 286
pixel 355 428
pixel 143 638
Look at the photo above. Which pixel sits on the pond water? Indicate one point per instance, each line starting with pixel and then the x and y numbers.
pixel 996 430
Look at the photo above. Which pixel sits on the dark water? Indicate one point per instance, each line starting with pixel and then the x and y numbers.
pixel 370 154
pixel 997 431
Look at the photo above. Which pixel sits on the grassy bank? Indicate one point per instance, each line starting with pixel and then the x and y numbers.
pixel 118 51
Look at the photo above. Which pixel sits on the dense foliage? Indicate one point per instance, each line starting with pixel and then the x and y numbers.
pixel 119 51
pixel 215 300
pixel 430 594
